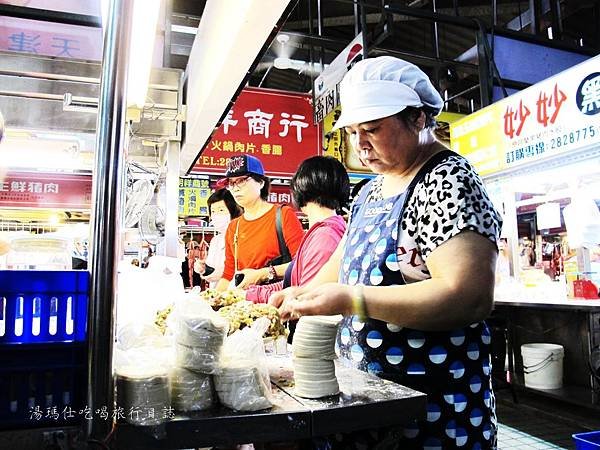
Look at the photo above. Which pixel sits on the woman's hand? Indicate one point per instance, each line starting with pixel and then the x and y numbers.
pixel 327 299
pixel 277 298
pixel 252 276
pixel 199 266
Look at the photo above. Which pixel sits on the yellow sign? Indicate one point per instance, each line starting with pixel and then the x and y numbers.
pixel 337 144
pixel 477 138
pixel 556 116
pixel 193 196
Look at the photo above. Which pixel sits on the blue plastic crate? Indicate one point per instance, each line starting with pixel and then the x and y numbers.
pixel 43 306
pixel 42 384
pixel 587 441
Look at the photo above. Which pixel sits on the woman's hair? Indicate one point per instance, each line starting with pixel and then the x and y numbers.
pixel 322 180
pixel 358 187
pixel 225 196
pixel 409 116
pixel 264 191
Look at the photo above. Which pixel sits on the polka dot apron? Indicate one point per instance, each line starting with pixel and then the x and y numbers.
pixel 451 367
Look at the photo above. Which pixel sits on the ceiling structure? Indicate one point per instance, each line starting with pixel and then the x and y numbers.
pixel 317 30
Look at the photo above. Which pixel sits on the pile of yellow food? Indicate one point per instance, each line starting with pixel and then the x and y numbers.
pixel 161 318
pixel 218 300
pixel 242 314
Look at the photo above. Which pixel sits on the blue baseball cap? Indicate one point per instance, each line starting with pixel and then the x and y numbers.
pixel 241 165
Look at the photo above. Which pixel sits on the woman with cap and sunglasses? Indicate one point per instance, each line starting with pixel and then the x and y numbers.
pixel 251 243
pixel 414 274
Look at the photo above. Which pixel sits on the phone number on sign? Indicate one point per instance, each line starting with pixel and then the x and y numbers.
pixel 213 161
pixel 538 149
pixel 573 137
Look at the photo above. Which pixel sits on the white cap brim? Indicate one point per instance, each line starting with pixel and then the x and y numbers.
pixel 372 100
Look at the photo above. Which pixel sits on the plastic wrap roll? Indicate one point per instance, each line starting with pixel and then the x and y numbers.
pixel 190 391
pixel 143 399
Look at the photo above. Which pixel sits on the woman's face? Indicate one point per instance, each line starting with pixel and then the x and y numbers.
pixel 385 145
pixel 245 190
pixel 219 209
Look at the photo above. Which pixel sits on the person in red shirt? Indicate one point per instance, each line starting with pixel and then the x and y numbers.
pixel 251 242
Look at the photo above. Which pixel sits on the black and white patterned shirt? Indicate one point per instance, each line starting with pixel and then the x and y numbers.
pixel 450 199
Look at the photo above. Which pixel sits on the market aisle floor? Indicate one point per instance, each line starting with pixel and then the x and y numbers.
pixel 537 424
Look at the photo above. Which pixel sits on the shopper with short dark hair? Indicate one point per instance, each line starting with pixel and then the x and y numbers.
pixel 320 188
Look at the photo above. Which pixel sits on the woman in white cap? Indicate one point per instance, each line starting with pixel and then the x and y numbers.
pixel 414 274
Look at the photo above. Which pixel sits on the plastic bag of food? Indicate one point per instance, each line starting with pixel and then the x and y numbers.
pixel 190 390
pixel 199 333
pixel 243 383
pixel 141 361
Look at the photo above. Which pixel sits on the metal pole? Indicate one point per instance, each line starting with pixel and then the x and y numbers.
pixel 485 79
pixel 535 10
pixel 171 199
pixel 356 20
pixel 363 29
pixel 557 31
pixel 106 213
pixel 436 37
pixel 320 33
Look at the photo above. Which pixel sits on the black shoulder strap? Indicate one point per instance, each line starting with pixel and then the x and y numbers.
pixel 283 250
pixel 424 170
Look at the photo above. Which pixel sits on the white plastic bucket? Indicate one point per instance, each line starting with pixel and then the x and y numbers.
pixel 543 365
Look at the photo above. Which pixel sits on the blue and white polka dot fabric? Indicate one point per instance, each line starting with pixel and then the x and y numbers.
pixel 452 367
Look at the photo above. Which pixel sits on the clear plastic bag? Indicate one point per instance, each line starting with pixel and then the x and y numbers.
pixel 191 391
pixel 142 359
pixel 199 334
pixel 243 383
pixel 144 399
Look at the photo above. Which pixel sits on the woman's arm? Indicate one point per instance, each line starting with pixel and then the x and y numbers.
pixel 261 293
pixel 459 292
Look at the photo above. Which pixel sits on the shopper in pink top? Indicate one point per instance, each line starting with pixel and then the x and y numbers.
pixel 320 188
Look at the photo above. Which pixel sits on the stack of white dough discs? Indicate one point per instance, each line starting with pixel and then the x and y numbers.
pixel 313 355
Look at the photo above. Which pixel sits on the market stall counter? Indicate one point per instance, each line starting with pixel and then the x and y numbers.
pixel 365 401
pixel 573 324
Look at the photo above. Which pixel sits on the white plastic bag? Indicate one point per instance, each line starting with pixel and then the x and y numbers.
pixel 144 292
pixel 142 359
pixel 243 383
pixel 190 391
pixel 199 334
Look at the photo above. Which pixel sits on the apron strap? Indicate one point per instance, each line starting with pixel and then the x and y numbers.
pixel 424 170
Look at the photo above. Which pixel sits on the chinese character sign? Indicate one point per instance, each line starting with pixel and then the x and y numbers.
pixel 49 39
pixel 277 127
pixel 45 190
pixel 193 197
pixel 553 117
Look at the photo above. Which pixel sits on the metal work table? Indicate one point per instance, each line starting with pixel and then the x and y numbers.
pixel 566 304
pixel 364 402
pixel 572 323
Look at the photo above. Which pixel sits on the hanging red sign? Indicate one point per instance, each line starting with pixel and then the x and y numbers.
pixel 45 190
pixel 276 127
